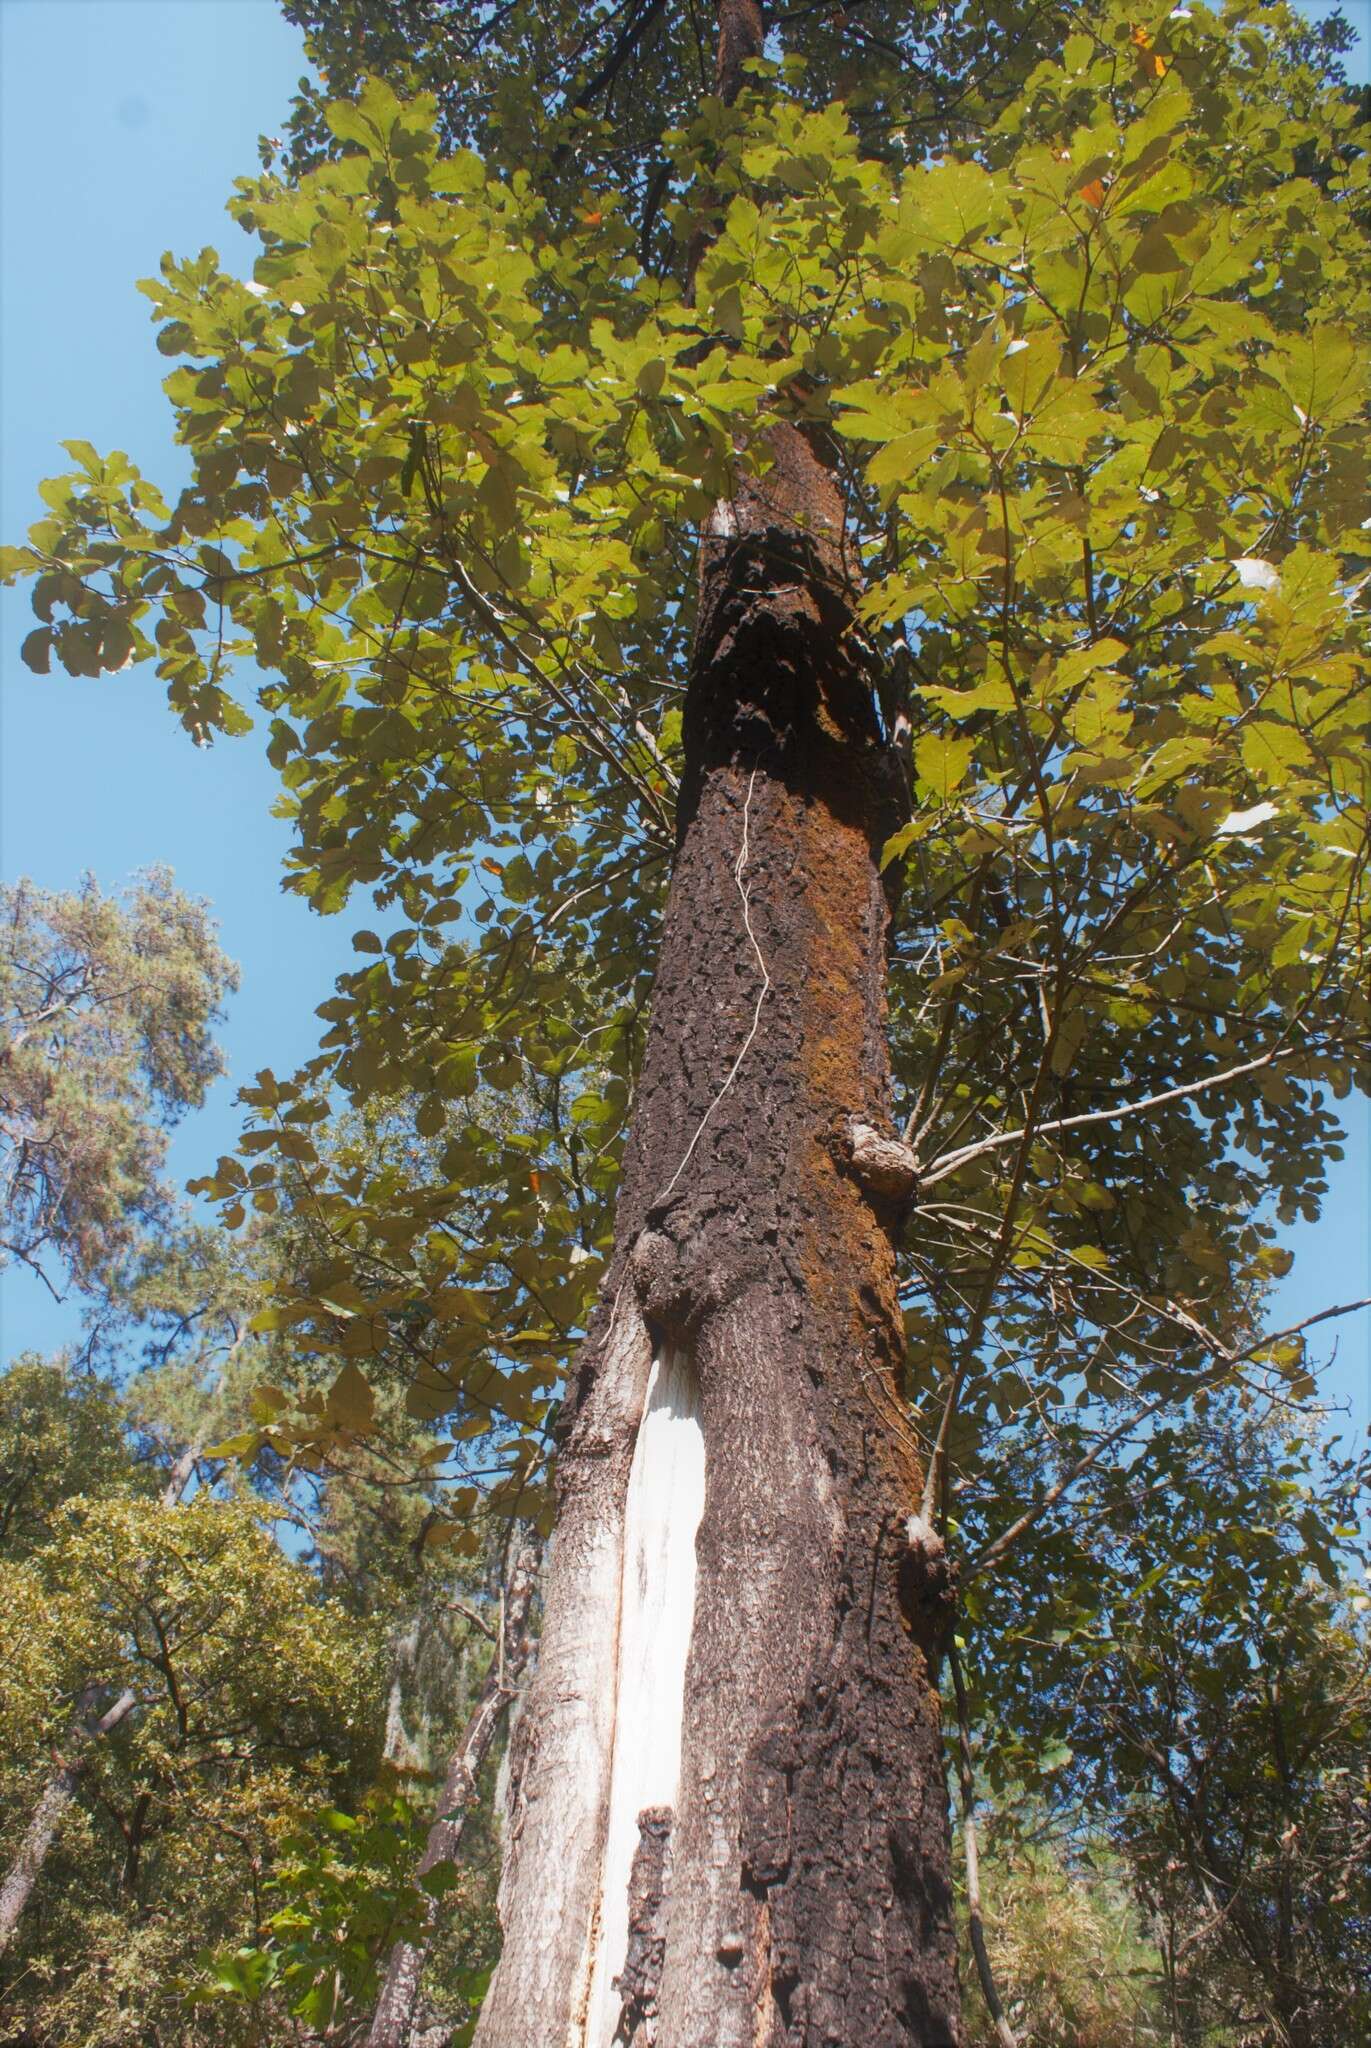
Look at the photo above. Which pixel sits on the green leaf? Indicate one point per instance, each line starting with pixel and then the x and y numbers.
pixel 351 1402
pixel 899 462
pixel 941 762
pixel 36 649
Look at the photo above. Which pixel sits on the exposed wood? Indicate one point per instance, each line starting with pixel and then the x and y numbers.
pixel 666 1492
pixel 561 1749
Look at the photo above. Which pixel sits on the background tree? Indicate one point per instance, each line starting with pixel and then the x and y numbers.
pixel 213 1833
pixel 1023 409
pixel 249 1691
pixel 1235 1712
pixel 1181 1699
pixel 106 1013
pixel 1074 1958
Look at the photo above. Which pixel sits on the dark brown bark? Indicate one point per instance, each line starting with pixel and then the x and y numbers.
pixel 796 1890
pixel 809 1897
pixel 742 32
pixel 397 2005
pixel 777 1263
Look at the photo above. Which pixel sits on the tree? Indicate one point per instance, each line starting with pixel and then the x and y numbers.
pixel 392 2025
pixel 85 1944
pixel 1234 1713
pixel 1181 1699
pixel 185 1876
pixel 633 492
pixel 106 1014
pixel 1071 1947
pixel 243 1690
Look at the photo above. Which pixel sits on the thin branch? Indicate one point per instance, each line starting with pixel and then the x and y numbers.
pixel 1004 2033
pixel 1116 1114
pixel 995 1550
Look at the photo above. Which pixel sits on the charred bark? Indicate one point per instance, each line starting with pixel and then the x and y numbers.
pixel 803 1894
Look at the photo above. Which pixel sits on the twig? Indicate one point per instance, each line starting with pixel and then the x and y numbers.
pixel 470 1615
pixel 996 1549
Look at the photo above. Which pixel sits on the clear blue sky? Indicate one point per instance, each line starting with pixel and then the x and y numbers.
pixel 122 126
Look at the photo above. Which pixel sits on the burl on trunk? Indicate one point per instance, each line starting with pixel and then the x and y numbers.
pixel 730 1822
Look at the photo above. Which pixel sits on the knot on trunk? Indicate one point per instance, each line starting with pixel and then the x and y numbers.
pixel 886 1167
pixel 684 1266
pixel 927 1586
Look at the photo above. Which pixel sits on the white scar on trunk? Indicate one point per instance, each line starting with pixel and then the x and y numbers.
pixel 666 1495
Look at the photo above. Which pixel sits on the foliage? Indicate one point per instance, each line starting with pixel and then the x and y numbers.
pixel 232 1821
pixel 253 1696
pixel 1239 1728
pixel 209 1823
pixel 348 1895
pixel 1072 1956
pixel 1080 303
pixel 58 1436
pixel 451 449
pixel 106 1013
pixel 1185 1660
pixel 568 93
pixel 349 1892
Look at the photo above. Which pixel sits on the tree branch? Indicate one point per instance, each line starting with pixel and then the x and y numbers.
pixel 1004 2033
pixel 954 1160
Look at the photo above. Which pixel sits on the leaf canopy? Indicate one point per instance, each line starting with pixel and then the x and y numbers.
pixel 1087 352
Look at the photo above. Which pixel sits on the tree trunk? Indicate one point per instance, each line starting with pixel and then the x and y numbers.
pixel 57 1795
pixel 729 1824
pixel 392 2025
pixel 51 1807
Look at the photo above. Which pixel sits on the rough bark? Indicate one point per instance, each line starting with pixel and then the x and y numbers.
pixel 795 1889
pixel 393 2022
pixel 742 32
pixel 59 1792
pixel 788 1880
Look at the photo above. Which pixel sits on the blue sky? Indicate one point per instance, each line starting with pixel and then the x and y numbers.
pixel 122 126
